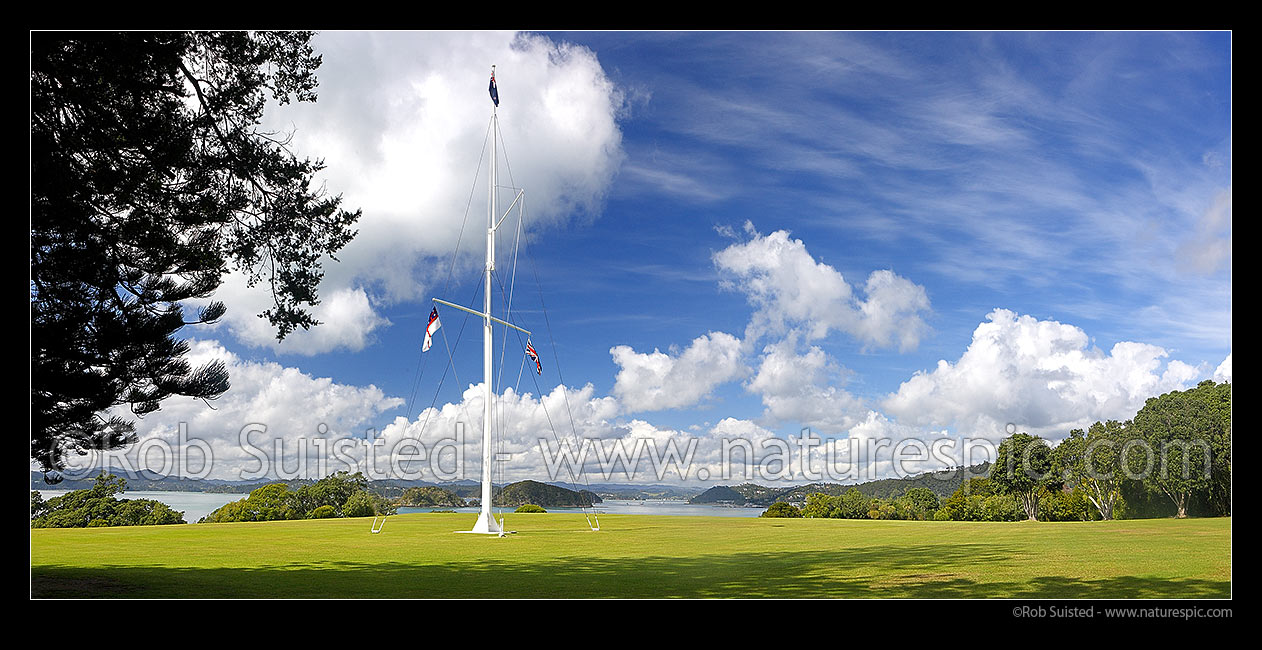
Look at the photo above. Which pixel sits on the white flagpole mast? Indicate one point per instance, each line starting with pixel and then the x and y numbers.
pixel 486 523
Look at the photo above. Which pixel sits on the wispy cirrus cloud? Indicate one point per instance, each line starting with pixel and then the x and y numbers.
pixel 1010 162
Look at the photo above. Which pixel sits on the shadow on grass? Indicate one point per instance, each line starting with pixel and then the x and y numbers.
pixel 874 572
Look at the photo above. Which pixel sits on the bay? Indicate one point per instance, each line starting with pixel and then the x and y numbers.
pixel 196 505
pixel 636 507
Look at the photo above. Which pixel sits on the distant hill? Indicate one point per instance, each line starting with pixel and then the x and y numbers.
pixel 632 491
pixel 543 494
pixel 149 481
pixel 943 484
pixel 793 494
pixel 395 488
pixel 429 496
pixel 720 494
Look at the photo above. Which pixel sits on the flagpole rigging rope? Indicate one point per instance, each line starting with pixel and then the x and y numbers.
pixel 523 237
pixel 452 364
pixel 422 360
pixel 565 397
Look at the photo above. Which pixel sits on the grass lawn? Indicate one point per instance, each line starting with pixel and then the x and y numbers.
pixel 637 556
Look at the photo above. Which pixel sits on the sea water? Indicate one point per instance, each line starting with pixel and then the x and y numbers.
pixel 196 505
pixel 636 507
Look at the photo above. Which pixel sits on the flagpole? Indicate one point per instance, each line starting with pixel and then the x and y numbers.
pixel 486 523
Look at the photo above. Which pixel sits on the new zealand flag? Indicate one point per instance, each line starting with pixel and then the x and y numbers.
pixel 495 95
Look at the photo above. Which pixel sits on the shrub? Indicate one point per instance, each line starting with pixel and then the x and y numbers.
pixel 324 512
pixel 920 503
pixel 1058 505
pixel 270 502
pixel 782 509
pixel 821 505
pixel 145 512
pixel 881 509
pixel 360 504
pixel 1002 508
pixel 853 505
pixel 530 507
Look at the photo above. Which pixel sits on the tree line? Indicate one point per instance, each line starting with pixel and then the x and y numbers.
pixel 1172 459
pixel 98 506
pixel 341 494
pixel 338 495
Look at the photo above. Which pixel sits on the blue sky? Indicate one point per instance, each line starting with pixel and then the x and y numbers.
pixel 869 234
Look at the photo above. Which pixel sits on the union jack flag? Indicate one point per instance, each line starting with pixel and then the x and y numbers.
pixel 530 350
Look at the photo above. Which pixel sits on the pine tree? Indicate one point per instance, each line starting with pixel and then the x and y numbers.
pixel 150 180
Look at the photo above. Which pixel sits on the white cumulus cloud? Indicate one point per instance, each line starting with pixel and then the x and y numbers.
pixel 1223 372
pixel 791 290
pixel 801 388
pixel 653 381
pixel 276 406
pixel 568 435
pixel 346 315
pixel 1043 376
pixel 400 122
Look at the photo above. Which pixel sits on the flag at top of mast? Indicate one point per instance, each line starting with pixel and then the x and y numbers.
pixel 495 95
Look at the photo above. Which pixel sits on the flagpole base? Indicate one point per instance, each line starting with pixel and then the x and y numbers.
pixel 486 525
